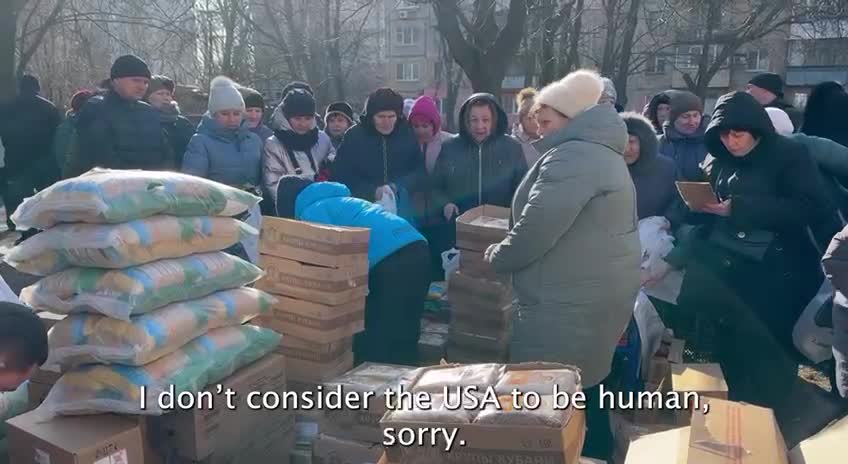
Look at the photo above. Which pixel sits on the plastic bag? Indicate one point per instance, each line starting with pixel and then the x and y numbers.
pixel 437 413
pixel 481 376
pixel 99 388
pixel 543 416
pixel 388 200
pixel 450 262
pixel 539 381
pixel 140 289
pixel 651 329
pixel 117 246
pixel 92 338
pixel 105 196
pixel 656 242
pixel 814 339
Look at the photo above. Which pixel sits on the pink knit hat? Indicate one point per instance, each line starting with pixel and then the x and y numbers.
pixel 425 108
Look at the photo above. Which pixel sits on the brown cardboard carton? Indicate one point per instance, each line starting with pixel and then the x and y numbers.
pixel 313 283
pixel 496 325
pixel 46 374
pixel 472 263
pixel 480 227
pixel 675 351
pixel 433 342
pixel 305 371
pixel 659 375
pixel 669 447
pixel 36 392
pixel 488 293
pixel 625 431
pixel 75 440
pixel 314 321
pixel 332 450
pixel 50 319
pixel 296 348
pixel 318 244
pixel 496 443
pixel 364 424
pixel 826 447
pixel 735 433
pixel 497 341
pixel 464 355
pixel 705 379
pixel 197 433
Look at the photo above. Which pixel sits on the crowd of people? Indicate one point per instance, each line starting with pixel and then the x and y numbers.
pixel 577 173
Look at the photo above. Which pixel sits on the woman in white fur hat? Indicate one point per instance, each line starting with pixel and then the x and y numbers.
pixel 574 250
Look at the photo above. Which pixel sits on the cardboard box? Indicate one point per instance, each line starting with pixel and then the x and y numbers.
pixel 658 375
pixel 95 439
pixel 675 351
pixel 472 263
pixel 36 392
pixel 332 450
pixel 364 424
pixel 433 342
pixel 486 342
pixel 306 371
pixel 198 433
pixel 318 244
pixel 828 446
pixel 324 285
pixel 46 375
pixel 735 433
pixel 496 443
pixel 490 294
pixel 314 321
pixel 50 319
pixel 498 326
pixel 585 460
pixel 480 227
pixel 669 447
pixel 625 431
pixel 296 348
pixel 705 379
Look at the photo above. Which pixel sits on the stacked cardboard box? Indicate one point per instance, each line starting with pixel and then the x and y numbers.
pixel 433 343
pixel 319 274
pixel 824 447
pixel 731 433
pixel 480 300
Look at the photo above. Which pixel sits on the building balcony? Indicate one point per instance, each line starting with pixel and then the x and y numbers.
pixel 806 76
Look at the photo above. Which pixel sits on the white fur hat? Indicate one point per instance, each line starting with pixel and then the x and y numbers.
pixel 224 95
pixel 573 94
pixel 780 120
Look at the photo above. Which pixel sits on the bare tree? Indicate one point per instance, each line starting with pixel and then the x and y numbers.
pixel 479 44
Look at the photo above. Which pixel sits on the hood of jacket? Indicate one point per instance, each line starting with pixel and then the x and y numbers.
pixel 653 106
pixel 737 110
pixel 641 127
pixel 600 124
pixel 317 192
pixel 209 126
pixel 502 127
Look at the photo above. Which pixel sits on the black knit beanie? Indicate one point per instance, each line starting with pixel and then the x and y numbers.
pixel 28 84
pixel 252 98
pixel 769 81
pixel 287 191
pixel 298 85
pixel 342 108
pixel 384 99
pixel 129 66
pixel 298 102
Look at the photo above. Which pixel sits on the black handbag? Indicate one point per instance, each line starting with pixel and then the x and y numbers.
pixel 748 244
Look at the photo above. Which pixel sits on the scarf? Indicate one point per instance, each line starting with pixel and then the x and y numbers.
pixel 297 142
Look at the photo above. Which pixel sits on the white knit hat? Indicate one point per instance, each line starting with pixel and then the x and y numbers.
pixel 780 120
pixel 573 94
pixel 224 95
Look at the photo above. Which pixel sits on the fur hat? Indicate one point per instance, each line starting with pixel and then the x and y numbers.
pixel 780 120
pixel 224 95
pixel 609 90
pixel 158 83
pixel 573 94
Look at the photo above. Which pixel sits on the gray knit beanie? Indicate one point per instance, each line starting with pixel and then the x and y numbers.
pixel 224 95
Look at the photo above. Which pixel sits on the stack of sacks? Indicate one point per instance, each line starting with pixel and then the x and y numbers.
pixel 133 258
pixel 319 275
pixel 480 300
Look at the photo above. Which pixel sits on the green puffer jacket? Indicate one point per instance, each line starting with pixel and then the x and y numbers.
pixel 574 249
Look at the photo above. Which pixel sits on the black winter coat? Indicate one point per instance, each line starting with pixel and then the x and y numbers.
pixel 178 132
pixel 776 195
pixel 469 175
pixel 367 160
pixel 28 131
pixel 120 134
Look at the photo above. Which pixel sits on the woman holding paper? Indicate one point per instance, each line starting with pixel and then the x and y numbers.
pixel 751 264
pixel 573 250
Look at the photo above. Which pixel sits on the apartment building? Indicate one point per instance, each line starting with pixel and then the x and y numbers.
pixel 817 52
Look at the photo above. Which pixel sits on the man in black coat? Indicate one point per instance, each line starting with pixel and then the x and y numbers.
pixel 178 129
pixel 118 130
pixel 767 89
pixel 27 134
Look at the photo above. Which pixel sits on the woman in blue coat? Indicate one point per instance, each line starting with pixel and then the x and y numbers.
pixel 398 277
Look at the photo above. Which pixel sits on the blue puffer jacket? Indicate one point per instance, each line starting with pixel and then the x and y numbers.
pixel 332 203
pixel 687 151
pixel 230 157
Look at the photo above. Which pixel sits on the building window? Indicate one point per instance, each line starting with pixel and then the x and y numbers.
pixel 656 64
pixel 408 72
pixel 687 56
pixel 406 35
pixel 757 60
pixel 405 5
